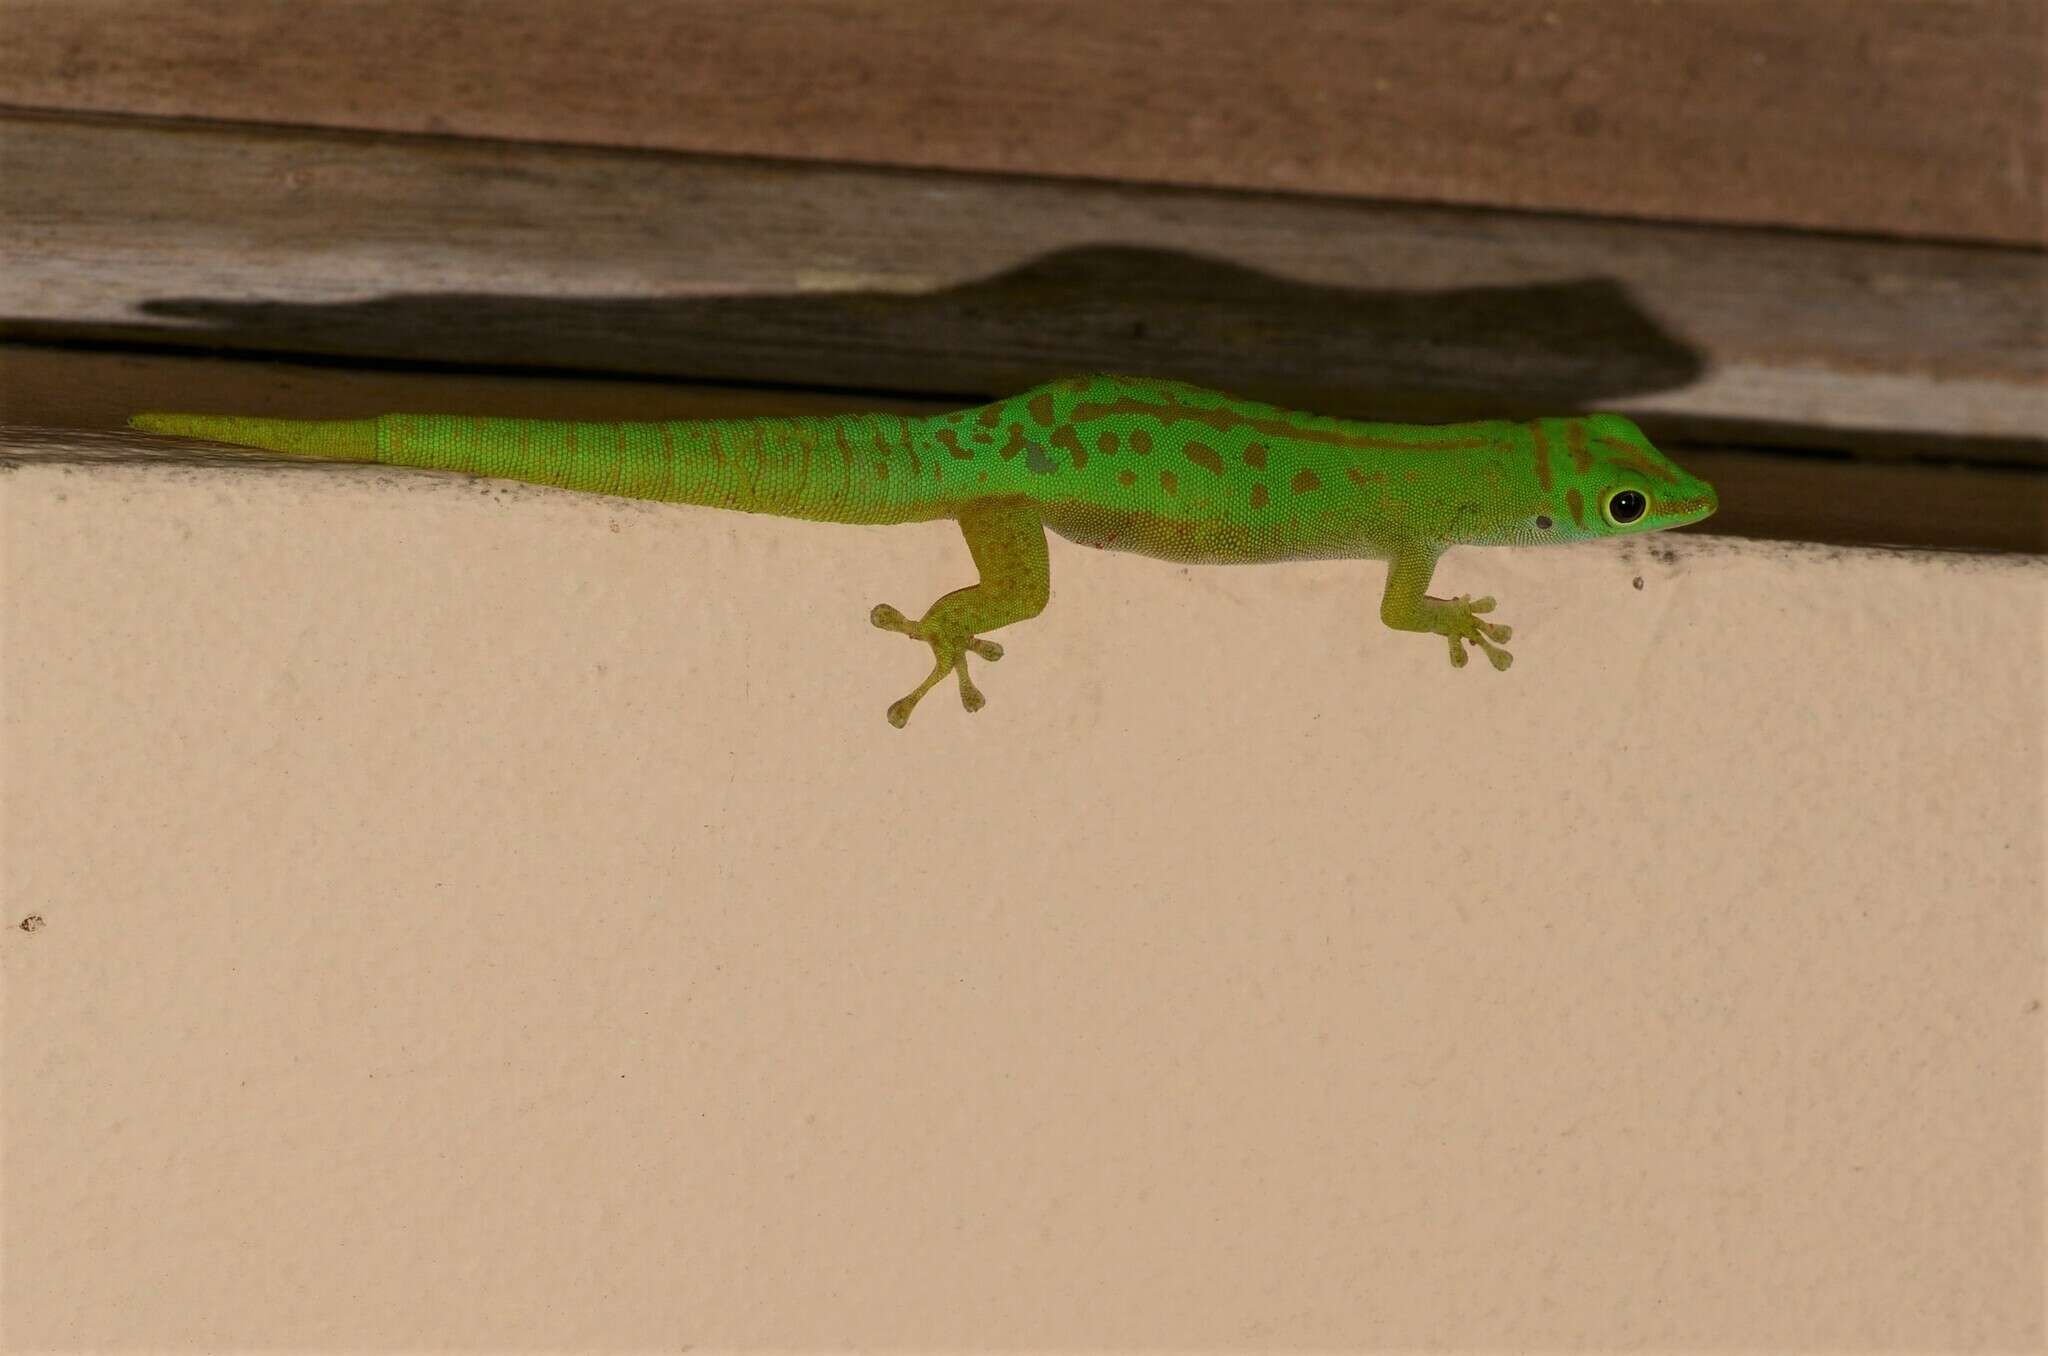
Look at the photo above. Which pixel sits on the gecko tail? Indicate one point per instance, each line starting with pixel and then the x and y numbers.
pixel 318 439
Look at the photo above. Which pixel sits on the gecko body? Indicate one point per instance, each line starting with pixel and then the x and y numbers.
pixel 1156 467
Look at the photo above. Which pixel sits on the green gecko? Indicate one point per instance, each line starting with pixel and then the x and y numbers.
pixel 1156 467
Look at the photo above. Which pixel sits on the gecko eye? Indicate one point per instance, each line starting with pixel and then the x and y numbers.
pixel 1625 506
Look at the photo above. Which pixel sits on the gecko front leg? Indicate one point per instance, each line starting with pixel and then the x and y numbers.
pixel 1406 607
pixel 1007 541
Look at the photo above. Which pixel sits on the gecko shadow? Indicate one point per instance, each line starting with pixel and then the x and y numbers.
pixel 1438 353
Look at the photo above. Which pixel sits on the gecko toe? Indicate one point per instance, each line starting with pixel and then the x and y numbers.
pixel 970 695
pixel 1462 628
pixel 949 655
pixel 900 709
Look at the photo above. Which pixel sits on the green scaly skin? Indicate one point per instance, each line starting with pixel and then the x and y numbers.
pixel 1124 464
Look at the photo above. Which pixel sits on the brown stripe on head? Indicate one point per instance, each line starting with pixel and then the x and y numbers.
pixel 1576 502
pixel 1661 505
pixel 1582 455
pixel 1542 442
pixel 1622 454
pixel 1575 443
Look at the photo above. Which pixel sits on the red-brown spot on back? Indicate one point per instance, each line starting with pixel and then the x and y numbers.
pixel 1224 421
pixel 952 444
pixel 1204 456
pixel 1259 496
pixel 1141 442
pixel 1169 482
pixel 1069 442
pixel 1255 456
pixel 1304 481
pixel 1126 477
pixel 1041 410
pixel 1106 444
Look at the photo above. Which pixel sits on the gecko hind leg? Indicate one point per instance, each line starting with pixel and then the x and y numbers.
pixel 1007 542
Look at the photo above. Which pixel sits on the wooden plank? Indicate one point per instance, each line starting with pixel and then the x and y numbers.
pixel 1917 117
pixel 434 250
pixel 80 400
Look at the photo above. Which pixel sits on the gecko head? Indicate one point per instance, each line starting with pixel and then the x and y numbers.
pixel 1608 480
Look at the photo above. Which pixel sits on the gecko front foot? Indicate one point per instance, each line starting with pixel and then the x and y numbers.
pixel 949 654
pixel 1460 627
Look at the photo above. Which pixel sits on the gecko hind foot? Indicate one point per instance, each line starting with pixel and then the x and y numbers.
pixel 949 655
pixel 1462 628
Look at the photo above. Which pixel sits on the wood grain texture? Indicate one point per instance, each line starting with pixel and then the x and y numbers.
pixel 75 404
pixel 1916 117
pixel 442 251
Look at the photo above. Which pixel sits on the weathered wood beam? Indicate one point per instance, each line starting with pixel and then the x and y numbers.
pixel 1910 117
pixel 434 250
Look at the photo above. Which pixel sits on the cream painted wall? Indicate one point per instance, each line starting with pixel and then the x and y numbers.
pixel 492 916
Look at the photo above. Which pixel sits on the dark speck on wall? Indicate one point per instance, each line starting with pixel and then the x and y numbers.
pixel 1638 582
pixel 32 923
